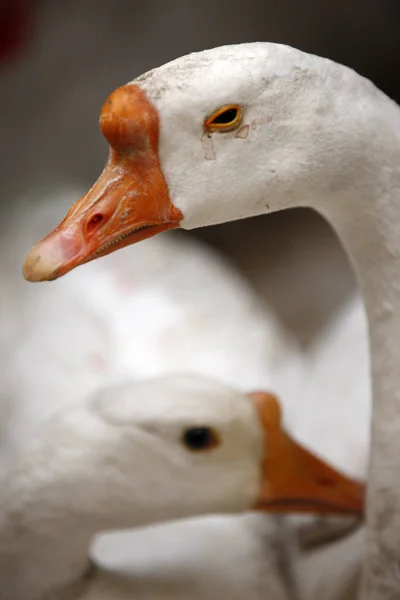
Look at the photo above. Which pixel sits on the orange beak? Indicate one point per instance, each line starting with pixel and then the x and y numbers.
pixel 293 480
pixel 128 203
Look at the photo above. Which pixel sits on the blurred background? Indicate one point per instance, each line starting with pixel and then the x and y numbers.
pixel 60 60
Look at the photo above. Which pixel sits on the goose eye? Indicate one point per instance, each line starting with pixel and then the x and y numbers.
pixel 225 118
pixel 200 438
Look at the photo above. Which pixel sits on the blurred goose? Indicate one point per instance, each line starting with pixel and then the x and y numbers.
pixel 129 315
pixel 168 305
pixel 243 130
pixel 142 453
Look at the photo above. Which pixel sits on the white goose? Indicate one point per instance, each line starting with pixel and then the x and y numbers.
pixel 143 453
pixel 243 130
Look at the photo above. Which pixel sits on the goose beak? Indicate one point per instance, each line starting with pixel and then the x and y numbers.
pixel 293 480
pixel 128 203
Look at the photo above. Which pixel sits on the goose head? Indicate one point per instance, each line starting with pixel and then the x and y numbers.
pixel 212 137
pixel 182 446
pixel 142 453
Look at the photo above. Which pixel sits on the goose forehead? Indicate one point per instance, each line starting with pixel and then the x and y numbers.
pixel 239 69
pixel 176 399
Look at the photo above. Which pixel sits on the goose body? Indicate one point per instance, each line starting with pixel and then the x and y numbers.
pixel 295 130
pixel 108 463
pixel 185 567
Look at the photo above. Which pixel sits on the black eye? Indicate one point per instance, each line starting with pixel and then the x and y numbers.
pixel 200 438
pixel 225 118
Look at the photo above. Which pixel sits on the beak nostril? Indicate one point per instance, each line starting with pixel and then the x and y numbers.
pixel 94 222
pixel 326 482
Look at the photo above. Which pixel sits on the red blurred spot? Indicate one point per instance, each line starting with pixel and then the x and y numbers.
pixel 15 26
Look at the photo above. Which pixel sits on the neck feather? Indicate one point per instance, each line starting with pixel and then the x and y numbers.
pixel 366 216
pixel 53 501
